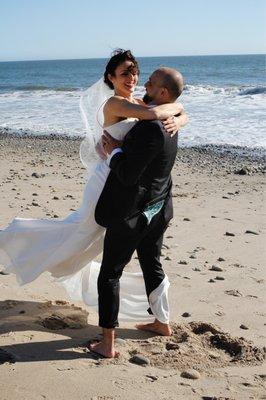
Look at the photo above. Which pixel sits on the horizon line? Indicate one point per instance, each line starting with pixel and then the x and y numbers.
pixel 104 58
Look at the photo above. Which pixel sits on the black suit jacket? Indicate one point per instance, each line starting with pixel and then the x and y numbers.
pixel 140 175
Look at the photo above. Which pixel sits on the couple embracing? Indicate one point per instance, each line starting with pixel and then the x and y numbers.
pixel 127 202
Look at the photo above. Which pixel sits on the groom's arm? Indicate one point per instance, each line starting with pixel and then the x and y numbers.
pixel 144 143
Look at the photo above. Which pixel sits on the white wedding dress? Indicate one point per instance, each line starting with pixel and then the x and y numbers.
pixel 66 248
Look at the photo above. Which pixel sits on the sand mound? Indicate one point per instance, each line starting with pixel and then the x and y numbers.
pixel 198 345
pixel 55 315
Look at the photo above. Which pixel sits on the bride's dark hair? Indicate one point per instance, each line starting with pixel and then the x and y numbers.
pixel 118 57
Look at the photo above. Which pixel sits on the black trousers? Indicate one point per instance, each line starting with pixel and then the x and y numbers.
pixel 121 240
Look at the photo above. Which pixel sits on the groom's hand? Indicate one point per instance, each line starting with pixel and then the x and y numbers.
pixel 109 143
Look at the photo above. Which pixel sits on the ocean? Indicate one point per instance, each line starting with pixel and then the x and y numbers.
pixel 224 97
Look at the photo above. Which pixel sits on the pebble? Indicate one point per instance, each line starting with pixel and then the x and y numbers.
pixel 221 259
pixel 216 268
pixel 192 256
pixel 190 374
pixel 219 278
pixel 248 384
pixel 152 377
pixel 197 269
pixel 252 232
pixel 213 398
pixel 182 262
pixel 172 346
pixel 55 198
pixel 229 234
pixel 211 280
pixel 186 315
pixel 242 171
pixel 234 292
pixel 168 258
pixel 36 175
pixel 242 326
pixel 3 273
pixel 186 219
pixel 35 204
pixel 140 359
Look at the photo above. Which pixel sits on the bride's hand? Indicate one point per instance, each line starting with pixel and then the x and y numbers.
pixel 172 125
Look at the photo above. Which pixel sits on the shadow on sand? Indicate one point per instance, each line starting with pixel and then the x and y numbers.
pixel 69 332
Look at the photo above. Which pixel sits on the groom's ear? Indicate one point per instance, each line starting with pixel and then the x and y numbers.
pixel 164 91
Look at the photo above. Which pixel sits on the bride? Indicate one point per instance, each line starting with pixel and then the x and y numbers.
pixel 66 248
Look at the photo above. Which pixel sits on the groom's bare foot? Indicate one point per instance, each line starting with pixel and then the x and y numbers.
pixel 156 327
pixel 104 350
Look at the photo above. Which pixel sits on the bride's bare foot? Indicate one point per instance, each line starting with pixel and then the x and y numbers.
pixel 156 327
pixel 104 350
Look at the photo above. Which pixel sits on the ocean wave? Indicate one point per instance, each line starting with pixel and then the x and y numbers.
pixel 6 88
pixel 139 91
pixel 230 90
pixel 253 91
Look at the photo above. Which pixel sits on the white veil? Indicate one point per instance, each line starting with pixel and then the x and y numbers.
pixel 91 105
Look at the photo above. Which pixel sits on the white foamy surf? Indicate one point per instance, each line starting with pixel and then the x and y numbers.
pixel 233 115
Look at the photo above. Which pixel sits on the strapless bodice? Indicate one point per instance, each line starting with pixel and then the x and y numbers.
pixel 121 128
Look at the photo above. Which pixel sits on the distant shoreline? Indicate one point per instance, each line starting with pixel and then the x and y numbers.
pixel 138 57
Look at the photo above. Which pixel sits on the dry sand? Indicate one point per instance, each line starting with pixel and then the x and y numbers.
pixel 218 312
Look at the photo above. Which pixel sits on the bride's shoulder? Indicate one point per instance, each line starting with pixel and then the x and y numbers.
pixel 114 100
pixel 111 110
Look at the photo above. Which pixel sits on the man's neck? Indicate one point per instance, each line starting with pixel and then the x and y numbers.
pixel 155 103
pixel 152 103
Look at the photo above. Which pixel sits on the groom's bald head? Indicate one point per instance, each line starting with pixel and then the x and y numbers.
pixel 164 85
pixel 172 80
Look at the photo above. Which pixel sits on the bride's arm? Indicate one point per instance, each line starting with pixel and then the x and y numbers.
pixel 121 107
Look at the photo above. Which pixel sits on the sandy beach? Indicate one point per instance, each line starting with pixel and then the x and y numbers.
pixel 213 253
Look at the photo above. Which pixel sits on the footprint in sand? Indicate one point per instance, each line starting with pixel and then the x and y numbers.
pixel 58 321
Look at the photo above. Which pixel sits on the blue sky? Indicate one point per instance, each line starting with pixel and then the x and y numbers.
pixel 58 29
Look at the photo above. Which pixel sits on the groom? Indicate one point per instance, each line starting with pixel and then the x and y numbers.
pixel 136 206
